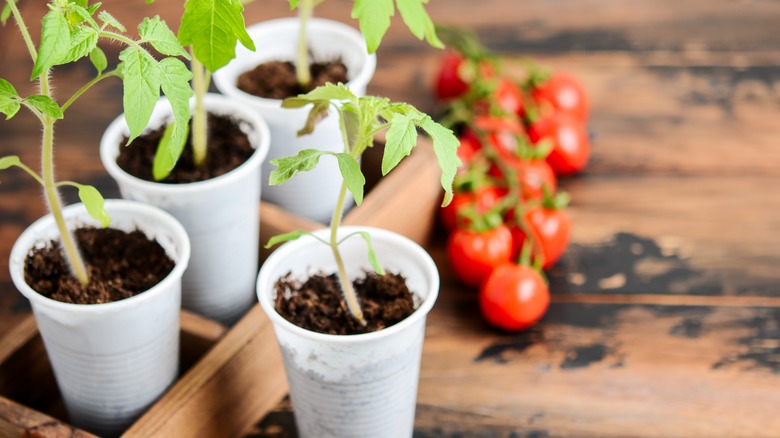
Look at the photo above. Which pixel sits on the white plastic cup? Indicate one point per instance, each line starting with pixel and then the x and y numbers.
pixel 312 194
pixel 353 385
pixel 112 360
pixel 221 214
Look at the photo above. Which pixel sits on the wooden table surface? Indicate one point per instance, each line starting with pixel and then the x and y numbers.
pixel 666 308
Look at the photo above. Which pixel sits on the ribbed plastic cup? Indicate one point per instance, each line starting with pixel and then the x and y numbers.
pixel 312 194
pixel 220 214
pixel 112 360
pixel 357 385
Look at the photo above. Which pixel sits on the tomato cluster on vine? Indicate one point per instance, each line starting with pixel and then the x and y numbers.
pixel 507 221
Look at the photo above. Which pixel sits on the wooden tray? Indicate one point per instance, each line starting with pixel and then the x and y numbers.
pixel 231 378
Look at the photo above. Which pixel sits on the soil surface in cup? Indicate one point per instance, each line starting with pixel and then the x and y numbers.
pixel 318 304
pixel 277 80
pixel 120 265
pixel 227 148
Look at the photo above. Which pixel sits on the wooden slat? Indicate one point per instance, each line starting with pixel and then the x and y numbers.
pixel 240 378
pixel 19 421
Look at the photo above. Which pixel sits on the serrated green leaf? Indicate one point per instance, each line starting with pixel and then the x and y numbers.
pixel 175 82
pixel 93 201
pixel 445 146
pixel 156 32
pixel 83 40
pixel 9 161
pixel 44 104
pixel 353 177
pixel 213 27
pixel 78 15
pixel 401 139
pixel 374 18
pixel 294 4
pixel 418 21
pixel 55 42
pixel 98 58
pixel 110 21
pixel 141 78
pixel 288 167
pixel 9 99
pixel 6 13
pixel 286 237
pixel 372 258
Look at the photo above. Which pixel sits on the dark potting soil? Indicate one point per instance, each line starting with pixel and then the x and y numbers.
pixel 227 148
pixel 120 265
pixel 276 79
pixel 318 304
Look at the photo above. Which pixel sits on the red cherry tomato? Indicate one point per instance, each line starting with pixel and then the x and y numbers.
pixel 501 132
pixel 551 229
pixel 473 255
pixel 483 199
pixel 466 151
pixel 534 176
pixel 514 297
pixel 449 84
pixel 508 97
pixel 565 94
pixel 571 146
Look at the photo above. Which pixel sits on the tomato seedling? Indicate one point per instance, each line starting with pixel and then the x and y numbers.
pixel 70 31
pixel 211 30
pixel 360 119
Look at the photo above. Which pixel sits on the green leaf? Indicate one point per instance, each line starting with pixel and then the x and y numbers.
pixel 374 18
pixel 83 40
pixel 294 4
pixel 164 161
pixel 55 42
pixel 351 124
pixel 418 21
pixel 353 177
pixel 141 78
pixel 329 92
pixel 445 146
pixel 317 112
pixel 9 99
pixel 6 13
pixel 91 9
pixel 288 167
pixel 286 237
pixel 175 82
pixel 98 58
pixel 9 161
pixel 82 3
pixel 213 27
pixel 371 253
pixel 44 104
pixel 401 139
pixel 110 21
pixel 156 32
pixel 94 203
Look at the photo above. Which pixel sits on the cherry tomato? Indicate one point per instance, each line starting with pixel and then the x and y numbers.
pixel 501 132
pixel 473 255
pixel 514 297
pixel 508 97
pixel 565 94
pixel 535 175
pixel 449 83
pixel 551 229
pixel 571 146
pixel 468 147
pixel 483 199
